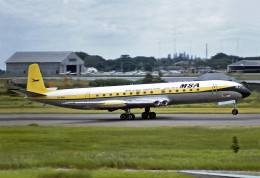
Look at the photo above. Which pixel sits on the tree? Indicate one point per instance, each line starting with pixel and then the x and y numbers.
pixel 159 79
pixel 125 56
pixel 82 55
pixel 148 78
pixel 235 147
pixel 95 61
pixel 2 72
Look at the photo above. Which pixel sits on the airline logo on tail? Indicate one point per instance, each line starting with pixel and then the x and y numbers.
pixel 35 80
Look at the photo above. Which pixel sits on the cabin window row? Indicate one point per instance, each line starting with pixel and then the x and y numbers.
pixel 145 92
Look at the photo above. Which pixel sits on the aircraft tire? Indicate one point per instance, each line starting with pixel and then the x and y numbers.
pixel 234 111
pixel 123 117
pixel 152 115
pixel 131 117
pixel 145 115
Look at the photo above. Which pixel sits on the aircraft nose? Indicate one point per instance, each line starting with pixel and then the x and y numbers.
pixel 245 93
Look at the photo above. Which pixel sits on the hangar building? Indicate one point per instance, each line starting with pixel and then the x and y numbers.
pixel 51 63
pixel 245 66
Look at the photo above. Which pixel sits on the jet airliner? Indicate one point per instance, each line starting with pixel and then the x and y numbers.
pixel 127 97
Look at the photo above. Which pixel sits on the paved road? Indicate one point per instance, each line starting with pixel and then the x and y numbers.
pixel 113 120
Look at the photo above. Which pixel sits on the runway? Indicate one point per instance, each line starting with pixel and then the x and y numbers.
pixel 112 120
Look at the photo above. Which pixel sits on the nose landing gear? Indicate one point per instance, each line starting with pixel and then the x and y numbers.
pixel 235 111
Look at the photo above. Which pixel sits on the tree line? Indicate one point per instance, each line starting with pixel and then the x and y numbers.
pixel 126 63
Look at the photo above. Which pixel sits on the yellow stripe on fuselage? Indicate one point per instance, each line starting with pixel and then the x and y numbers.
pixel 126 94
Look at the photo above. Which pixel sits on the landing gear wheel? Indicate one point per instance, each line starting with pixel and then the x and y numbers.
pixel 131 117
pixel 152 115
pixel 123 116
pixel 145 115
pixel 234 111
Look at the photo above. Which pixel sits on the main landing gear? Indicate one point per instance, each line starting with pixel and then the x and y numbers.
pixel 127 115
pixel 235 111
pixel 145 115
pixel 148 114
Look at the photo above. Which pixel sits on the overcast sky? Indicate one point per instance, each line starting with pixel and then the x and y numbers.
pixel 110 28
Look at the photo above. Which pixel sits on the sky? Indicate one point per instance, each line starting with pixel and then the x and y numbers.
pixel 111 28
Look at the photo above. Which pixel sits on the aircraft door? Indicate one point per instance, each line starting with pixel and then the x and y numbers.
pixel 87 96
pixel 214 89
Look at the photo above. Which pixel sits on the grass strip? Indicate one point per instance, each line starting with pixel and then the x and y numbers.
pixel 100 173
pixel 91 148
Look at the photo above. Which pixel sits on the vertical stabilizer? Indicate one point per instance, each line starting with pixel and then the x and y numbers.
pixel 34 81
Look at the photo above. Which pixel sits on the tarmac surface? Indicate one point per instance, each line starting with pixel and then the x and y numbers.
pixel 112 120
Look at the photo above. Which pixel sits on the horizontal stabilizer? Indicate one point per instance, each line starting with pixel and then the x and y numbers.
pixel 28 93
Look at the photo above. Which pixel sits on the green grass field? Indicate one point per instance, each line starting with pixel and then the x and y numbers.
pixel 81 173
pixel 98 150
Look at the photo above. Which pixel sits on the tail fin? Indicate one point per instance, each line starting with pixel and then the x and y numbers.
pixel 34 81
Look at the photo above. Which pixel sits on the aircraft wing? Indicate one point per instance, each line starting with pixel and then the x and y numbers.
pixel 148 102
pixel 118 104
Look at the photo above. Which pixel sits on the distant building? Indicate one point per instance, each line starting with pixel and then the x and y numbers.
pixel 51 63
pixel 215 76
pixel 245 66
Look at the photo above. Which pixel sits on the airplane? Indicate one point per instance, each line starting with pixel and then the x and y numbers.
pixel 126 97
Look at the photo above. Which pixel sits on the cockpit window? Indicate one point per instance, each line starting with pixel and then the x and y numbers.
pixel 240 87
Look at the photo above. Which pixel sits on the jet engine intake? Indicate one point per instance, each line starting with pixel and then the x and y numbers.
pixel 164 103
pixel 157 103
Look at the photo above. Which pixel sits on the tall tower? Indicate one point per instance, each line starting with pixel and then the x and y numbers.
pixel 237 49
pixel 174 43
pixel 206 50
pixel 174 48
pixel 190 49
